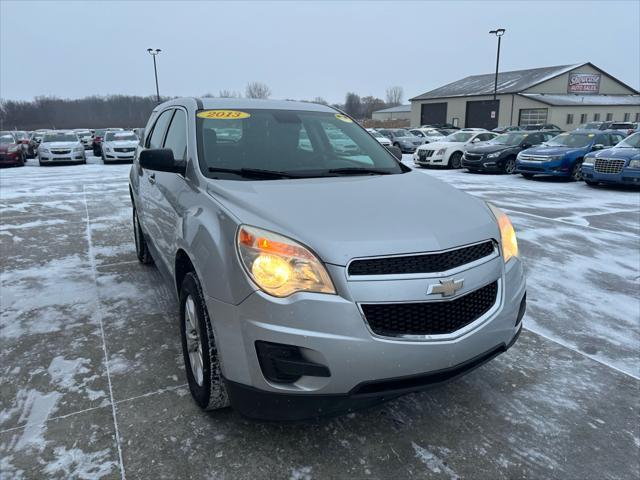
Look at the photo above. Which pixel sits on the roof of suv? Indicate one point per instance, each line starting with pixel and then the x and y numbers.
pixel 235 103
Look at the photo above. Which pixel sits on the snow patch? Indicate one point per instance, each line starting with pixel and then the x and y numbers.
pixel 434 463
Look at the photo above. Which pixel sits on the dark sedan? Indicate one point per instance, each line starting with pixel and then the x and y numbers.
pixel 499 154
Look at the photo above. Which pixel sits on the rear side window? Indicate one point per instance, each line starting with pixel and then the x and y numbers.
pixel 177 136
pixel 155 139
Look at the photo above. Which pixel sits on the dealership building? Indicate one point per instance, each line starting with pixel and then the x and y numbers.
pixel 565 95
pixel 401 112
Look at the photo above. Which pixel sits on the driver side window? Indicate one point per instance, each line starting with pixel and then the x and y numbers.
pixel 159 128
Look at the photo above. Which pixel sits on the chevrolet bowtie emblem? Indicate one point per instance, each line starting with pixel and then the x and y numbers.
pixel 446 287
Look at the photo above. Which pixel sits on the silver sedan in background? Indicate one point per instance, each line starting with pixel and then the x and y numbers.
pixel 60 147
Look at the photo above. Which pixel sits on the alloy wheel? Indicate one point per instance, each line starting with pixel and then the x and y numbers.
pixel 194 345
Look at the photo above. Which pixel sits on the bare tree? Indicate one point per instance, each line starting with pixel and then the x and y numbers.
pixel 371 104
pixel 320 100
pixel 394 96
pixel 257 90
pixel 353 105
pixel 228 94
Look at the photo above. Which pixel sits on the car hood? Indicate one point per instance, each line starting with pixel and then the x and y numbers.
pixel 60 144
pixel 548 151
pixel 5 148
pixel 122 143
pixel 439 145
pixel 341 218
pixel 490 148
pixel 620 153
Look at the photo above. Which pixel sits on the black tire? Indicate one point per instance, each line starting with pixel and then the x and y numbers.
pixel 591 183
pixel 209 390
pixel 509 166
pixel 455 160
pixel 576 172
pixel 142 249
pixel 528 176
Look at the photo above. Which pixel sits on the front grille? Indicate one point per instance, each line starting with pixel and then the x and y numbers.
pixel 123 150
pixel 60 152
pixel 424 263
pixel 472 156
pixel 429 318
pixel 607 165
pixel 533 158
pixel 423 154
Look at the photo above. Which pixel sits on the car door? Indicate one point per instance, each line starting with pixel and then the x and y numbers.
pixel 168 189
pixel 148 198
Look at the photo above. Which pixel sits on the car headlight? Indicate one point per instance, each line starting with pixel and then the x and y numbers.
pixel 107 148
pixel 507 233
pixel 588 161
pixel 13 149
pixel 43 150
pixel 494 155
pixel 78 149
pixel 280 266
pixel 441 151
pixel 634 164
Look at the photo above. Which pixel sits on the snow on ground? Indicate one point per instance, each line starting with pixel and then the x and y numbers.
pixel 73 299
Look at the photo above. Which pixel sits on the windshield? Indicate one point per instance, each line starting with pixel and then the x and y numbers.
pixel 375 134
pixel 297 143
pixel 120 137
pixel 6 139
pixel 100 132
pixel 459 137
pixel 60 137
pixel 508 139
pixel 591 125
pixel 400 132
pixel 433 133
pixel 571 140
pixel 632 141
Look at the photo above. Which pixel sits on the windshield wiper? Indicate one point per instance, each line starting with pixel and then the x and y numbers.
pixel 359 171
pixel 253 172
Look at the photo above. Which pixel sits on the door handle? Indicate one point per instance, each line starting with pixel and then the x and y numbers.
pixel 152 178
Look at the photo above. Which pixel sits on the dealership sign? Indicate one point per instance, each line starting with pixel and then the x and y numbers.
pixel 584 83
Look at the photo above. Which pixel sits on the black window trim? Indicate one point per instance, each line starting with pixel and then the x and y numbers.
pixel 155 123
pixel 186 119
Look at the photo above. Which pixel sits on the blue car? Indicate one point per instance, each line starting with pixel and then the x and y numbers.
pixel 618 165
pixel 562 156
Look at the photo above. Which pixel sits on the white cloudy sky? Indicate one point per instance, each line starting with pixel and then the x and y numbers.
pixel 300 49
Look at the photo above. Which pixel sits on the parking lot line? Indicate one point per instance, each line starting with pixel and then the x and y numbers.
pixel 104 345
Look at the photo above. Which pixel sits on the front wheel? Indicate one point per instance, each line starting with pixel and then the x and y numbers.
pixel 142 249
pixel 576 172
pixel 509 166
pixel 591 183
pixel 455 160
pixel 528 176
pixel 201 357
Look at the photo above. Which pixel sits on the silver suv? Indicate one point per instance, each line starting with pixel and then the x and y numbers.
pixel 307 285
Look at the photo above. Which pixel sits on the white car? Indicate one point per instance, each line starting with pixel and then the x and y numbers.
pixel 85 137
pixel 448 152
pixel 384 141
pixel 60 147
pixel 428 135
pixel 119 146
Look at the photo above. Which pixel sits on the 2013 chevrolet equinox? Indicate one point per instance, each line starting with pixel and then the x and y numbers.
pixel 307 284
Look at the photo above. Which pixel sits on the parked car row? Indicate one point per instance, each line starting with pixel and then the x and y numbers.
pixel 68 146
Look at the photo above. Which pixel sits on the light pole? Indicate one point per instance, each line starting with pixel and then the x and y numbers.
pixel 153 53
pixel 498 32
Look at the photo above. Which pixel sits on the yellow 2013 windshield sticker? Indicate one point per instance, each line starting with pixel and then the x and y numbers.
pixel 344 118
pixel 223 114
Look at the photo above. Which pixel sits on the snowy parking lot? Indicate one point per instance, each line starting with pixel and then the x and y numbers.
pixel 92 383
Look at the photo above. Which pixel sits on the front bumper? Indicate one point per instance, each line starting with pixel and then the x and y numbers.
pixel 331 331
pixel 556 168
pixel 484 164
pixel 434 159
pixel 628 176
pixel 71 156
pixel 119 156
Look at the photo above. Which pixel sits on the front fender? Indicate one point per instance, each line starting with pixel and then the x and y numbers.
pixel 208 238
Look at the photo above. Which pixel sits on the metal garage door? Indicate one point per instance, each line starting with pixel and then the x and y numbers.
pixel 432 113
pixel 482 114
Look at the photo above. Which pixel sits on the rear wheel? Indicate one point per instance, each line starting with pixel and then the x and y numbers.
pixel 142 249
pixel 455 160
pixel 528 176
pixel 201 358
pixel 509 166
pixel 576 172
pixel 591 183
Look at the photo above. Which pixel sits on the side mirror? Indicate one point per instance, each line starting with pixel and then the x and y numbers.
pixel 161 159
pixel 597 146
pixel 396 152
